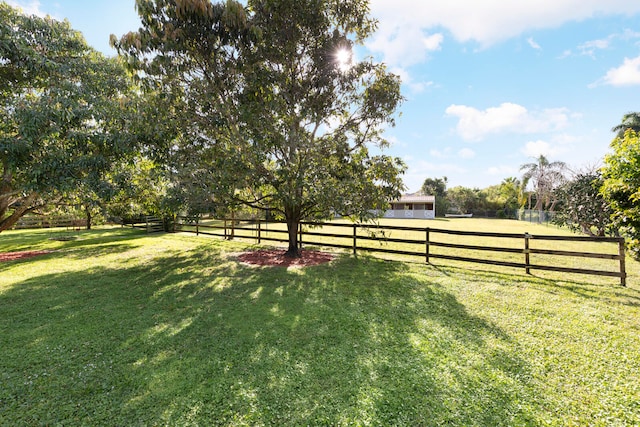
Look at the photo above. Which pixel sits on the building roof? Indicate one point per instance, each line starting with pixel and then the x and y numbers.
pixel 412 198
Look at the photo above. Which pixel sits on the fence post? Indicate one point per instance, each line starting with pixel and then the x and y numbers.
pixel 527 236
pixel 197 226
pixel 225 229
pixel 621 254
pixel 426 241
pixel 300 235
pixel 259 236
pixel 355 234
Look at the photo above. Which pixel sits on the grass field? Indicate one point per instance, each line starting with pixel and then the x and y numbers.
pixel 248 231
pixel 117 327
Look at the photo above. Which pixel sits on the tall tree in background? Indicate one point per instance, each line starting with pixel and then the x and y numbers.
pixel 463 199
pixel 437 187
pixel 505 197
pixel 271 106
pixel 545 177
pixel 629 121
pixel 63 110
pixel 621 187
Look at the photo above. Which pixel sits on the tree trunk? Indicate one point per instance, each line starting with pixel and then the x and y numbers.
pixel 7 222
pixel 293 222
pixel 88 214
pixel 586 229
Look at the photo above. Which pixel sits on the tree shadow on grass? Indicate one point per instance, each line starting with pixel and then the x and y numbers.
pixel 605 289
pixel 199 339
pixel 63 255
pixel 19 240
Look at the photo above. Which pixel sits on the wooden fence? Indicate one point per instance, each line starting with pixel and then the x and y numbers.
pixel 517 252
pixel 43 221
pixel 151 224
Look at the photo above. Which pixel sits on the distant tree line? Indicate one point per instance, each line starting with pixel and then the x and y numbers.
pixel 499 201
pixel 596 201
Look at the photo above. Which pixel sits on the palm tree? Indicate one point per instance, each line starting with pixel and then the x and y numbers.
pixel 545 176
pixel 629 121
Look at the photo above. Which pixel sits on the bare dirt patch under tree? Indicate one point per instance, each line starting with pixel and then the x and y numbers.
pixel 12 256
pixel 275 257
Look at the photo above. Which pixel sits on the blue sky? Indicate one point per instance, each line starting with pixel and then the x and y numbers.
pixel 489 84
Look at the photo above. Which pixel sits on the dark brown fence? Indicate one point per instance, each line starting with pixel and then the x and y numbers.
pixel 43 221
pixel 518 251
pixel 151 224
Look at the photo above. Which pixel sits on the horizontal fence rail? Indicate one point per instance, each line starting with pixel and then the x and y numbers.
pixel 425 242
pixel 151 224
pixel 49 222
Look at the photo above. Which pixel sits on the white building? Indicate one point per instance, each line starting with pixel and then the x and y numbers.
pixel 412 206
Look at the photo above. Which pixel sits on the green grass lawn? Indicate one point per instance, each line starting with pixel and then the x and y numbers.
pixel 248 232
pixel 117 327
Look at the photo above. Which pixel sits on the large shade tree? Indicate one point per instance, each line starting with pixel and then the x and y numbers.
pixel 273 110
pixel 62 113
pixel 621 187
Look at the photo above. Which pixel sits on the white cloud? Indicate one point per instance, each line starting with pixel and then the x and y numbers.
pixel 589 48
pixel 395 142
pixel 567 53
pixel 418 87
pixel 503 171
pixel 28 7
pixel 533 44
pixel 486 22
pixel 447 153
pixel 541 148
pixel 404 46
pixel 474 124
pixel 467 153
pixel 440 154
pixel 629 34
pixel 433 42
pixel 419 170
pixel 564 139
pixel 625 75
pixel 409 82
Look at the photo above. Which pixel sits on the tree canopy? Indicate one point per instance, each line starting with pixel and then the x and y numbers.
pixel 629 121
pixel 506 196
pixel 545 176
pixel 437 187
pixel 463 199
pixel 63 109
pixel 621 187
pixel 582 207
pixel 273 112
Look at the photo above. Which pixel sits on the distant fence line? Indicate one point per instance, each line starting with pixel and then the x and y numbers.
pixel 528 215
pixel 422 242
pixel 532 215
pixel 45 221
pixel 151 224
